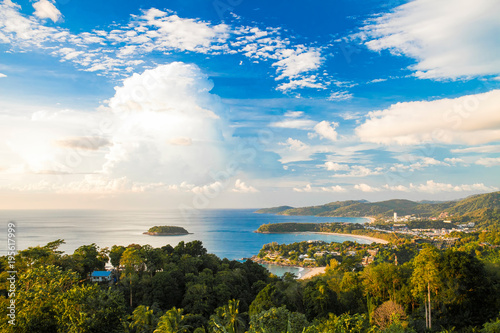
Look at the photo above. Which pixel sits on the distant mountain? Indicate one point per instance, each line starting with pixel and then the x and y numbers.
pixel 481 208
pixel 274 210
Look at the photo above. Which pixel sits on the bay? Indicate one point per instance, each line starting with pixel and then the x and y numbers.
pixel 228 233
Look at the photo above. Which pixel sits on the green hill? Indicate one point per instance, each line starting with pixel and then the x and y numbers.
pixel 166 230
pixel 483 209
pixel 274 210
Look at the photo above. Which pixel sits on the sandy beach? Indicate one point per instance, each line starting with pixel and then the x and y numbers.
pixel 373 239
pixel 372 219
pixel 312 272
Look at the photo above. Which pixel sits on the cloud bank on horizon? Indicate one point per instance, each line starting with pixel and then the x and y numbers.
pixel 189 106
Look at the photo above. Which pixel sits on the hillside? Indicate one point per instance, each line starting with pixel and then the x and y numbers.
pixel 166 230
pixel 274 210
pixel 481 208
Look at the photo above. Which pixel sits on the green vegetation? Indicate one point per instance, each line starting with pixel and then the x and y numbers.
pixel 185 289
pixel 274 210
pixel 484 209
pixel 334 227
pixel 166 230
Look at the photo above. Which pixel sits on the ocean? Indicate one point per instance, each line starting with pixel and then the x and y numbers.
pixel 228 233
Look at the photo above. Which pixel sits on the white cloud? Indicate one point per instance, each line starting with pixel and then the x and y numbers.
pixel 310 81
pixel 241 187
pixel 160 113
pixel 398 188
pixel 160 127
pixel 454 160
pixel 366 188
pixel 294 114
pixel 2 75
pixel 294 144
pixel 46 9
pixel 432 187
pixel 304 124
pixel 295 150
pixel 330 189
pixel 340 96
pixel 479 149
pixel 335 189
pixel 297 63
pixel 167 31
pixel 120 49
pixel 472 119
pixel 447 38
pixel 488 161
pixel 332 166
pixel 425 162
pixel 377 80
pixel 307 189
pixel 326 130
pixel 360 171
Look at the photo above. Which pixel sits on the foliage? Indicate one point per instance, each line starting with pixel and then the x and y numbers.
pixel 172 322
pixel 227 319
pixel 167 230
pixel 482 208
pixel 203 293
pixel 387 314
pixel 277 320
pixel 345 323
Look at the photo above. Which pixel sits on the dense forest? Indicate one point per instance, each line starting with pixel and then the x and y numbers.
pixel 482 208
pixel 335 227
pixel 186 289
pixel 167 230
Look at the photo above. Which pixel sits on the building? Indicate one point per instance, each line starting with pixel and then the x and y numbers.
pixel 100 276
pixel 395 217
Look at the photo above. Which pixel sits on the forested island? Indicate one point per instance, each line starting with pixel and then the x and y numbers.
pixel 166 230
pixel 404 287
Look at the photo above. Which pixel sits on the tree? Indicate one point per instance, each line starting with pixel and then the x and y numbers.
pixel 388 313
pixel 319 299
pixel 115 255
pixel 357 323
pixel 425 278
pixel 467 295
pixel 46 285
pixel 172 322
pixel 89 309
pixel 227 319
pixel 278 320
pixel 132 263
pixel 88 258
pixel 51 300
pixel 267 298
pixel 143 320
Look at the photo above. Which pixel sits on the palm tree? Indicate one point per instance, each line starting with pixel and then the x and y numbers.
pixel 143 320
pixel 227 319
pixel 172 322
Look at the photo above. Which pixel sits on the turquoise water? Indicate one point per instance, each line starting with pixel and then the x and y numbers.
pixel 225 232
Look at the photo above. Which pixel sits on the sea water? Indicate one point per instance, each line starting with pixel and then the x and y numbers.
pixel 228 233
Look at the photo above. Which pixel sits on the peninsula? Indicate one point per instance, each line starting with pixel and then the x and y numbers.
pixel 166 230
pixel 482 209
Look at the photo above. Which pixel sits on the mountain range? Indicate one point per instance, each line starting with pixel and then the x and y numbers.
pixel 481 208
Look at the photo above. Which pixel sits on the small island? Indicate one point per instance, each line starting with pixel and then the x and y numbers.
pixel 166 230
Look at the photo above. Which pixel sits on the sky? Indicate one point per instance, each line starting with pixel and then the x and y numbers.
pixel 245 104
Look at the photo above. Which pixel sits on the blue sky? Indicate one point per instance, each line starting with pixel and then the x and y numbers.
pixel 237 103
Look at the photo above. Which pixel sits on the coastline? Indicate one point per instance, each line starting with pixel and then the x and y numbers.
pixel 371 219
pixel 373 239
pixel 312 272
